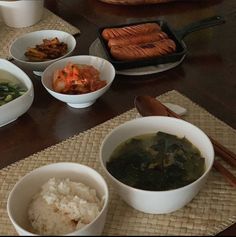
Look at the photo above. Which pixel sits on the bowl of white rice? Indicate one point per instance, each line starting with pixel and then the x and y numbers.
pixel 59 199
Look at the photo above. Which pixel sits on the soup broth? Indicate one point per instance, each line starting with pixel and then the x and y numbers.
pixel 10 87
pixel 156 162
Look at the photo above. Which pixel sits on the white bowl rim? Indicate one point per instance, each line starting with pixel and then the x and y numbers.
pixel 106 196
pixel 47 61
pixel 75 57
pixel 149 191
pixel 28 79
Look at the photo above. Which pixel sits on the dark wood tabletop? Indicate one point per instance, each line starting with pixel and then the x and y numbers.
pixel 206 76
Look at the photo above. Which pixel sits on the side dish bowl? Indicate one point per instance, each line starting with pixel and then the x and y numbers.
pixel 24 190
pixel 15 108
pixel 105 68
pixel 157 202
pixel 30 40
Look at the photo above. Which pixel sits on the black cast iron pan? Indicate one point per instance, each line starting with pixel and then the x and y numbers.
pixel 176 35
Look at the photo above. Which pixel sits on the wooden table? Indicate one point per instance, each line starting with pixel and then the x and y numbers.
pixel 207 75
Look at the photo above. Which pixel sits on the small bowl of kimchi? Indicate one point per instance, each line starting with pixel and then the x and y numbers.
pixel 79 80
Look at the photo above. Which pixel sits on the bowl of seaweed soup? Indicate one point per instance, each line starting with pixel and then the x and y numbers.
pixel 156 162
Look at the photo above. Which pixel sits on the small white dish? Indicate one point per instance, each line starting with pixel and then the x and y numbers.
pixel 96 49
pixel 12 110
pixel 181 111
pixel 24 190
pixel 30 40
pixel 176 108
pixel 107 73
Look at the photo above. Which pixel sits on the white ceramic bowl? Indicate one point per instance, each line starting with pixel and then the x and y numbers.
pixel 15 108
pixel 29 40
pixel 157 202
pixel 107 73
pixel 19 14
pixel 22 193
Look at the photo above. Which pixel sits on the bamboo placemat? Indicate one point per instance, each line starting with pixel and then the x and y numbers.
pixel 213 209
pixel 50 21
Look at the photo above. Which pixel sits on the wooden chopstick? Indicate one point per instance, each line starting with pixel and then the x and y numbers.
pixel 223 152
pixel 220 150
pixel 229 176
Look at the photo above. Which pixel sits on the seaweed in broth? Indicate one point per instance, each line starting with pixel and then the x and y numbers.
pixel 10 87
pixel 156 162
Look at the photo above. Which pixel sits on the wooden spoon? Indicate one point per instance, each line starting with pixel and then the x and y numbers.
pixel 149 106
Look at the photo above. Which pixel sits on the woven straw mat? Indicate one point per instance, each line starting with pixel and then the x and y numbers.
pixel 50 21
pixel 210 212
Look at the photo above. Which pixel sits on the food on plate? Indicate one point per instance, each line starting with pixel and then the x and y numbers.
pixel 138 42
pixel 137 39
pixel 10 87
pixel 63 206
pixel 49 49
pixel 156 162
pixel 77 79
pixel 144 28
pixel 143 51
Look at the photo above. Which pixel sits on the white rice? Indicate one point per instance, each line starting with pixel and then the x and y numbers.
pixel 63 206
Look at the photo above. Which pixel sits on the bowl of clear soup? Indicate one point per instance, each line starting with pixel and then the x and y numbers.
pixel 16 92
